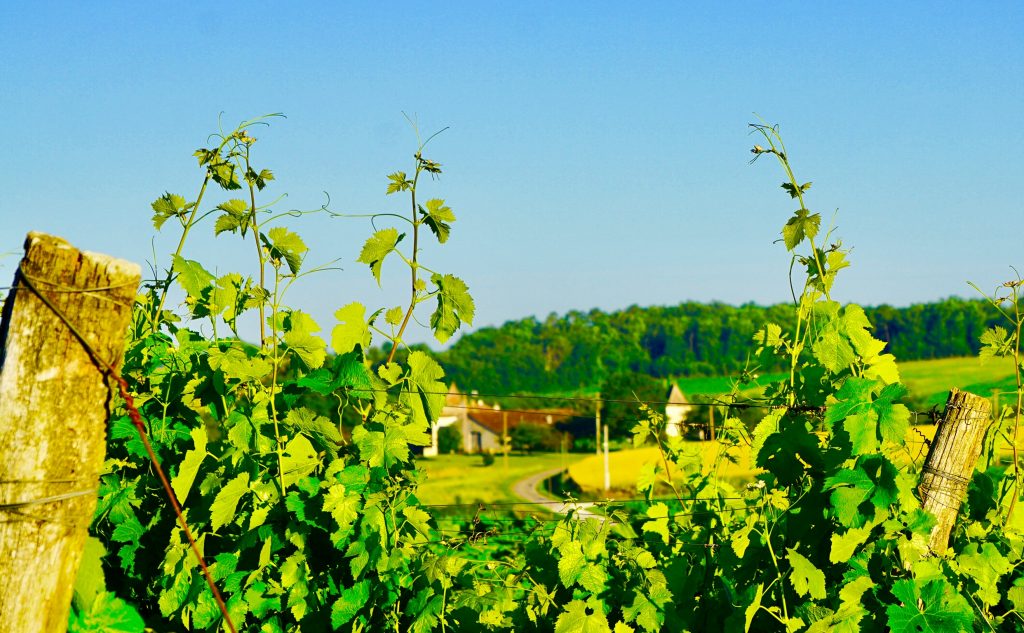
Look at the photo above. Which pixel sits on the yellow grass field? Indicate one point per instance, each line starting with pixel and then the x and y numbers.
pixel 625 465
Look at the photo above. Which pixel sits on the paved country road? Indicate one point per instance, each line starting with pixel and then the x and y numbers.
pixel 526 489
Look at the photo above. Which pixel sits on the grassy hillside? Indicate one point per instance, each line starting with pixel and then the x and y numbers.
pixel 928 381
pixel 931 380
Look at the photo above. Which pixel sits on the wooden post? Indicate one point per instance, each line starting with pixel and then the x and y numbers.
pixel 597 425
pixel 53 414
pixel 950 464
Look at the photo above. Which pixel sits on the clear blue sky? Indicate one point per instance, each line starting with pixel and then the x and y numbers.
pixel 597 154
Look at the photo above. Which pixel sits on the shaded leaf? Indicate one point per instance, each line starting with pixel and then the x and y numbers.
pixel 225 503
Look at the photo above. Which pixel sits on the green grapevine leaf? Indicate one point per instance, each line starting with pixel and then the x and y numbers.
pixel 770 336
pixel 302 341
pixel 850 488
pixel 845 544
pixel 128 531
pixel 863 430
pixel 658 523
pixel 454 305
pixel 351 329
pixel 428 607
pixel 806 578
pixel 941 610
pixel 194 279
pixel 740 539
pixel 571 562
pixel 390 372
pixel 417 518
pixel 644 610
pixel 753 607
pixel 238 364
pixel 833 350
pixel 171 598
pixel 394 315
pixel 582 617
pixel 852 398
pixel 235 216
pixel 802 225
pixel 342 505
pixel 167 206
pixel 283 244
pixel 986 566
pixel 259 179
pixel 377 247
pixel 399 182
pixel 379 448
pixel 593 578
pixel 108 614
pixel 299 459
pixel 347 605
pixel 181 483
pixel 90 582
pixel 428 392
pixel 313 425
pixel 1015 595
pixel 438 217
pixel 995 342
pixel 893 419
pixel 647 477
pixel 223 509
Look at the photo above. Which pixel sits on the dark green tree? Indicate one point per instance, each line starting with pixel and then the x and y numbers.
pixel 621 395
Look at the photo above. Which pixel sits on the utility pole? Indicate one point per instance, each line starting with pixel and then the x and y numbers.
pixel 597 426
pixel 607 472
pixel 562 451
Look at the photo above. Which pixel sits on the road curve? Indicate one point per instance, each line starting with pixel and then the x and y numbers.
pixel 526 489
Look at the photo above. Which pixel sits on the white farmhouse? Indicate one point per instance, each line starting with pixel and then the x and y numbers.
pixel 675 411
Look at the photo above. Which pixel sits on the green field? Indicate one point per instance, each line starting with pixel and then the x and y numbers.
pixel 931 380
pixel 928 381
pixel 458 479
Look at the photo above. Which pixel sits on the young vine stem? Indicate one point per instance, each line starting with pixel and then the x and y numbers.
pixel 413 266
pixel 1020 399
pixel 177 253
pixel 273 381
pixel 259 247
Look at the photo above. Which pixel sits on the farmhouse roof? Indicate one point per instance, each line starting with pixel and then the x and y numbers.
pixel 494 420
pixel 454 397
pixel 675 396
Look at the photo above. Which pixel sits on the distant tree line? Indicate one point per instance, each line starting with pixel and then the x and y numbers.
pixel 580 350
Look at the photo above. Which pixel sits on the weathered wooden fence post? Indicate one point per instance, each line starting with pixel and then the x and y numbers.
pixel 53 412
pixel 950 464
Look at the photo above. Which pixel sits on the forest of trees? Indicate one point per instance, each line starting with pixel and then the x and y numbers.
pixel 581 349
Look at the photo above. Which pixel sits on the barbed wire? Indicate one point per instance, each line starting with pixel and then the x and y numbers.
pixel 564 501
pixel 817 409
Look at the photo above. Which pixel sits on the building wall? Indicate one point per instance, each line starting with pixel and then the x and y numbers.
pixel 675 414
pixel 478 438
